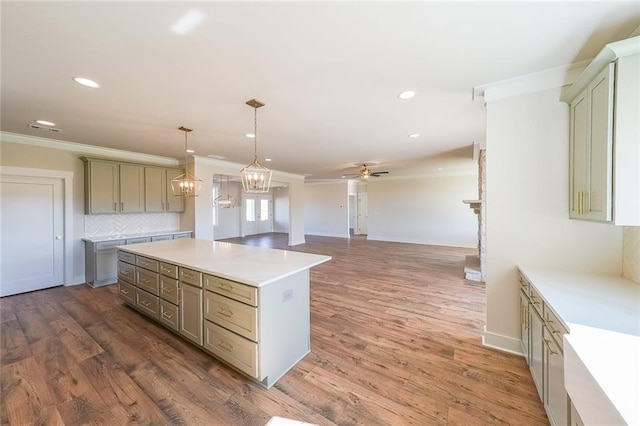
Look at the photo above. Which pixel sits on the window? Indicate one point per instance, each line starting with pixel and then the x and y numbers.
pixel 264 209
pixel 250 210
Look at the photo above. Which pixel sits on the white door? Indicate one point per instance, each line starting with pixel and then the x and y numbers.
pixel 362 215
pixel 258 215
pixel 32 224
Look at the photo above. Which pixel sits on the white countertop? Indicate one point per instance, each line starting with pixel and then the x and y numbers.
pixel 255 266
pixel 602 349
pixel 101 238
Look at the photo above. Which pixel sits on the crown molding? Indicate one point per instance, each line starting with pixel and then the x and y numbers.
pixel 88 150
pixel 232 168
pixel 529 83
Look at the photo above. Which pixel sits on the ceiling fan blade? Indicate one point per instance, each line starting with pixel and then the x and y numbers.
pixel 377 174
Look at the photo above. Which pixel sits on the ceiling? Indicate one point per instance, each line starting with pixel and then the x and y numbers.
pixel 328 72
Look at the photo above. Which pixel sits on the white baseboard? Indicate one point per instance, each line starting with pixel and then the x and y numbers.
pixel 318 234
pixel 426 242
pixel 501 343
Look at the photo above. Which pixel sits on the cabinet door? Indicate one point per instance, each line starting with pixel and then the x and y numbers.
pixel 536 349
pixel 578 154
pixel 191 313
pixel 155 189
pixel 131 188
pixel 103 187
pixel 524 325
pixel 174 203
pixel 556 401
pixel 600 93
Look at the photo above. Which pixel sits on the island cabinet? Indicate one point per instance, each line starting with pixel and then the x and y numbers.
pixel 247 306
pixel 604 177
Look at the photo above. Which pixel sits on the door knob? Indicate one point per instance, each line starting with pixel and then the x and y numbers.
pixel 58 237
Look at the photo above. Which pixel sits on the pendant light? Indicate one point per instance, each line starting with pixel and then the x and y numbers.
pixel 256 178
pixel 186 185
pixel 225 201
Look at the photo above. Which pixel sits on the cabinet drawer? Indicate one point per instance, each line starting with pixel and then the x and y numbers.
pixel 524 284
pixel 240 292
pixel 536 300
pixel 168 315
pixel 169 270
pixel 127 291
pixel 178 236
pixel 230 314
pixel 104 245
pixel 237 351
pixel 147 303
pixel 127 257
pixel 189 276
pixel 162 238
pixel 146 263
pixel 147 280
pixel 138 240
pixel 169 289
pixel 126 272
pixel 555 327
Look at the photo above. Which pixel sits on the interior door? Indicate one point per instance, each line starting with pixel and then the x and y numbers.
pixel 32 224
pixel 265 215
pixel 362 215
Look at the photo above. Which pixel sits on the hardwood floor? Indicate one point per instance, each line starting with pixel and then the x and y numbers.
pixel 395 337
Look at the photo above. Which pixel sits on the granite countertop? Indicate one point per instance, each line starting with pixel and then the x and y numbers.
pixel 255 266
pixel 602 349
pixel 100 238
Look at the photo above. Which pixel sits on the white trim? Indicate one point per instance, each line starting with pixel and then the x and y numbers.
pixel 423 242
pixel 88 150
pixel 320 234
pixel 501 343
pixel 67 182
pixel 229 167
pixel 529 83
pixel 362 183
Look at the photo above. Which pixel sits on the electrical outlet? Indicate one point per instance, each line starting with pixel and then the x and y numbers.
pixel 287 294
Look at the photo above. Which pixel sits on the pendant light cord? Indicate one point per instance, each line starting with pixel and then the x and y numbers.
pixel 255 134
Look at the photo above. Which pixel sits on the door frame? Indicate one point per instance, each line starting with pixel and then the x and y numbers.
pixel 67 209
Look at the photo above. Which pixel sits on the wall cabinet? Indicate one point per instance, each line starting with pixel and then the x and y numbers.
pixel 115 187
pixel 543 342
pixel 158 194
pixel 604 137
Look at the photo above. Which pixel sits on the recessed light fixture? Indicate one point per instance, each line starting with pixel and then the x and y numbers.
pixel 86 82
pixel 439 168
pixel 414 135
pixel 188 22
pixel 406 94
pixel 250 135
pixel 45 123
pixel 190 151
pixel 268 159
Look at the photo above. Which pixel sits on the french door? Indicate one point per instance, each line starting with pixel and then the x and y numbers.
pixel 258 215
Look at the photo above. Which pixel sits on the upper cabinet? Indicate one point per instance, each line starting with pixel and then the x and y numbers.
pixel 158 194
pixel 113 187
pixel 604 137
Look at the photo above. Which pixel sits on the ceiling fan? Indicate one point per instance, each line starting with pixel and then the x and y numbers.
pixel 365 173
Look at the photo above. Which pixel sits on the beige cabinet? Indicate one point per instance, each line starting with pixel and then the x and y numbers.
pixel 112 187
pixel 604 135
pixel 158 194
pixel 190 309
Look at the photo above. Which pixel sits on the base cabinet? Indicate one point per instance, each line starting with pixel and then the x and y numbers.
pixel 541 340
pixel 190 310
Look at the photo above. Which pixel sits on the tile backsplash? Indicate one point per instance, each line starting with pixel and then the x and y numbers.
pixel 124 224
pixel 631 253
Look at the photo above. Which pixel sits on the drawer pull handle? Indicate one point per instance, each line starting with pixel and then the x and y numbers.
pixel 144 303
pixel 167 315
pixel 188 275
pixel 553 330
pixel 144 280
pixel 226 313
pixel 124 272
pixel 123 291
pixel 535 300
pixel 226 346
pixel 166 290
pixel 227 287
pixel 548 345
pixel 163 269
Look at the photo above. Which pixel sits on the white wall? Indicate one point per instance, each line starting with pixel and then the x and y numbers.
pixel 326 209
pixel 425 210
pixel 281 209
pixel 527 207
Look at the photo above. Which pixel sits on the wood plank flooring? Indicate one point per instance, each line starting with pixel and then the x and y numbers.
pixel 395 336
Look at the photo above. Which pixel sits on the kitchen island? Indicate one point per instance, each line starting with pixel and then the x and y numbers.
pixel 247 306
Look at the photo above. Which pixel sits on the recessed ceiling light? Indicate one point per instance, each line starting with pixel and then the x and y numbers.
pixel 268 159
pixel 190 151
pixel 414 135
pixel 250 135
pixel 86 82
pixel 188 22
pixel 439 168
pixel 406 94
pixel 45 123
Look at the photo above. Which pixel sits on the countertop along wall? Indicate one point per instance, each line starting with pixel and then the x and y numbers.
pixel 631 253
pixel 527 207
